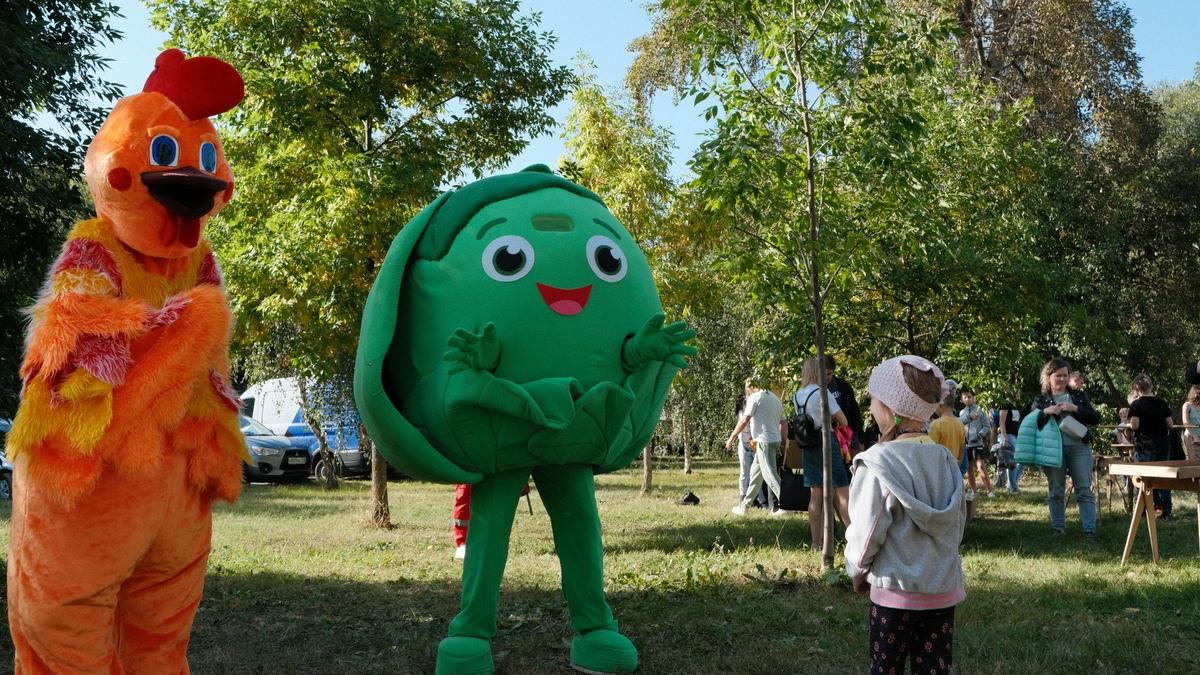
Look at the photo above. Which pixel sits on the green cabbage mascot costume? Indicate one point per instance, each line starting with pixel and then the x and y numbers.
pixel 515 329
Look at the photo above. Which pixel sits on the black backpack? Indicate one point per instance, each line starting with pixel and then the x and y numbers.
pixel 801 427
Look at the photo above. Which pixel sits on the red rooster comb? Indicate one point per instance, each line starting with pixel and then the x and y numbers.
pixel 201 86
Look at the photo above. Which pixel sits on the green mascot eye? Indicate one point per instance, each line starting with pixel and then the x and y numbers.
pixel 508 258
pixel 606 258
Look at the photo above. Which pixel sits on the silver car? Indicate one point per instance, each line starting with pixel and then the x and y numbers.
pixel 272 458
pixel 6 467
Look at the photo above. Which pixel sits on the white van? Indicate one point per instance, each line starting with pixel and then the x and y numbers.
pixel 276 404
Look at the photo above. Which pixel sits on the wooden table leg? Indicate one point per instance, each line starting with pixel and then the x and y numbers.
pixel 1151 520
pixel 1134 521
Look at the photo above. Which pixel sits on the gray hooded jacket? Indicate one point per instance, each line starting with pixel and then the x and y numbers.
pixel 906 518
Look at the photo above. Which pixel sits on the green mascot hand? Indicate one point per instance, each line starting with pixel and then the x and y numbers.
pixel 655 342
pixel 475 351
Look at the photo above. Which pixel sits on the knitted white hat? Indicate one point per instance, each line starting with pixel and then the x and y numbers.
pixel 887 384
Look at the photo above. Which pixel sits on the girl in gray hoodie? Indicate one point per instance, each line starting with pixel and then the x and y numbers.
pixel 906 522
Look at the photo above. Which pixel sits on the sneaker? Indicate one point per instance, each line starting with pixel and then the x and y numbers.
pixel 1013 492
pixel 1090 537
pixel 739 510
pixel 778 513
pixel 1058 531
pixel 460 552
pixel 1167 516
pixel 991 495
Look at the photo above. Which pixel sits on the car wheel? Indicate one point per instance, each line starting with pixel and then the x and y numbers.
pixel 6 487
pixel 321 471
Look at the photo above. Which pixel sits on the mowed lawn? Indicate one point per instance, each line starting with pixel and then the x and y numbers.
pixel 299 582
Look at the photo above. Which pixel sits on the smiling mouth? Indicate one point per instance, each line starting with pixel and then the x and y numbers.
pixel 565 301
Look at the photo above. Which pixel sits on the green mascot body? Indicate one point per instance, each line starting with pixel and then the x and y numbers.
pixel 515 329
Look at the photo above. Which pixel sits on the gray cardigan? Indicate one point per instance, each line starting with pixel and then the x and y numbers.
pixel 906 518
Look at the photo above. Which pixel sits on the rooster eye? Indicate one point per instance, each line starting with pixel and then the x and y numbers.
pixel 164 150
pixel 208 157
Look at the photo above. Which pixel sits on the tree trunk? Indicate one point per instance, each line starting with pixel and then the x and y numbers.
pixel 326 479
pixel 381 513
pixel 816 299
pixel 687 451
pixel 647 469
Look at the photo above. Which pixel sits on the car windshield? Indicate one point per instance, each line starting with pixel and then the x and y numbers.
pixel 254 428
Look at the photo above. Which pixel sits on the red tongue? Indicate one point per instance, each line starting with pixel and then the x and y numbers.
pixel 168 233
pixel 186 232
pixel 189 232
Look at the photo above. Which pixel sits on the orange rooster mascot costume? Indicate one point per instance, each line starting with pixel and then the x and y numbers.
pixel 127 428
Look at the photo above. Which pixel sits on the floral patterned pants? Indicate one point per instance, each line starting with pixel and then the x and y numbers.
pixel 923 637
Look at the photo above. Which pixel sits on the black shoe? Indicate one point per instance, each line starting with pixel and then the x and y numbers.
pixel 1167 516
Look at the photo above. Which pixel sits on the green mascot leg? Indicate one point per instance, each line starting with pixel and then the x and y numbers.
pixel 569 493
pixel 467 650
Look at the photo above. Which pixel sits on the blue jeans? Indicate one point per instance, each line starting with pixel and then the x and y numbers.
pixel 745 460
pixel 1077 461
pixel 1010 477
pixel 1148 451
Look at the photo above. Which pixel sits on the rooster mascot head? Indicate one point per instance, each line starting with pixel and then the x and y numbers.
pixel 156 169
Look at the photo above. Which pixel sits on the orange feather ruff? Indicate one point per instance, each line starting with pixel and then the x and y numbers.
pixel 126 356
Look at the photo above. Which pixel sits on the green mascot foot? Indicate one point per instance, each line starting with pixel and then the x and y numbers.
pixel 603 651
pixel 465 656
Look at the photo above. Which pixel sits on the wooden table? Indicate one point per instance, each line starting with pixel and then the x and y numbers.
pixel 1150 476
pixel 1102 463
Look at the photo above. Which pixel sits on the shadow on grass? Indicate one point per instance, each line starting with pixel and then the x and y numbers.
pixel 271 622
pixel 274 623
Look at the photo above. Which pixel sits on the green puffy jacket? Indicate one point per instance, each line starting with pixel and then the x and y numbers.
pixel 1041 447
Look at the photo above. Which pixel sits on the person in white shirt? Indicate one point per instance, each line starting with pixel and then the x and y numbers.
pixel 764 416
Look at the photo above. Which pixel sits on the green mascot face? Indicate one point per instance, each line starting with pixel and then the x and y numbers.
pixel 514 323
pixel 558 276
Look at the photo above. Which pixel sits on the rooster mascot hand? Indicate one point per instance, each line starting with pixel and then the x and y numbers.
pixel 127 428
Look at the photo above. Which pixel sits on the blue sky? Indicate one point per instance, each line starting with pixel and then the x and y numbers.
pixel 1165 33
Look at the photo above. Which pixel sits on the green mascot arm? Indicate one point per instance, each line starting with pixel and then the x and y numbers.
pixel 403 446
pixel 655 342
pixel 398 440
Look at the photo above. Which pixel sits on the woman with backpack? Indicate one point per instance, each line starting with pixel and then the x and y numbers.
pixel 807 423
pixel 908 515
pixel 1075 416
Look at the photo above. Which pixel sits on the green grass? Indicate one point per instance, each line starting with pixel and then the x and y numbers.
pixel 298 582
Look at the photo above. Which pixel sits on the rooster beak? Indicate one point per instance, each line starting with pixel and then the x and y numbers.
pixel 185 192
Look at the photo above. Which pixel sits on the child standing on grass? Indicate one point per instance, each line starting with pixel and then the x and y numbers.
pixel 978 425
pixel 906 522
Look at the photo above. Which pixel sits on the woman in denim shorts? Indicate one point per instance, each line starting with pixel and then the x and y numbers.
pixel 807 401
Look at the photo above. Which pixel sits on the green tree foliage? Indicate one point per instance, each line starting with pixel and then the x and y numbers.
pixel 800 111
pixel 615 151
pixel 1157 302
pixel 54 100
pixel 1075 60
pixel 356 115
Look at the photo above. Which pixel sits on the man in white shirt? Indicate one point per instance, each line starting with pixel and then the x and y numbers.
pixel 764 415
